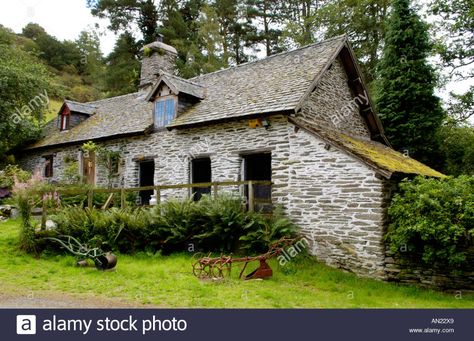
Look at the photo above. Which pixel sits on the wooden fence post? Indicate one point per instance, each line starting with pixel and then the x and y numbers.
pixel 158 196
pixel 90 199
pixel 216 188
pixel 43 214
pixel 122 198
pixel 251 197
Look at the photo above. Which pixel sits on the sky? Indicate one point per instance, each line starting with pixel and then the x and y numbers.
pixel 64 19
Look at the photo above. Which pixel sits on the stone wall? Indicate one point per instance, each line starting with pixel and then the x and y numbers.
pixel 35 162
pixel 337 201
pixel 332 104
pixel 339 204
pixel 410 271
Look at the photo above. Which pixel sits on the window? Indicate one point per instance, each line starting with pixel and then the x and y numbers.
pixel 200 173
pixel 164 112
pixel 48 166
pixel 258 167
pixel 65 121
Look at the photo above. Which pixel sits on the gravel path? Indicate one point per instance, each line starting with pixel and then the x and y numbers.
pixel 20 299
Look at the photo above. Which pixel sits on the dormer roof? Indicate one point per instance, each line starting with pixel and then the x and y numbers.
pixel 76 107
pixel 178 86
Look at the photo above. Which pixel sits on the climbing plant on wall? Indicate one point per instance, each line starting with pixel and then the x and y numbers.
pixel 107 158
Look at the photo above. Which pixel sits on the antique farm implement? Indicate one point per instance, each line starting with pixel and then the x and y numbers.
pixel 208 267
pixel 102 260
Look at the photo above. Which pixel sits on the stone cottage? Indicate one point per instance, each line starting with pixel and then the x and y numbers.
pixel 302 119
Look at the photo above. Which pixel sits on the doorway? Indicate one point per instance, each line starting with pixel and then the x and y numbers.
pixel 200 173
pixel 258 167
pixel 88 168
pixel 147 176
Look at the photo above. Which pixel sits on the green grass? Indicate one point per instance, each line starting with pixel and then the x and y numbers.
pixel 167 281
pixel 52 110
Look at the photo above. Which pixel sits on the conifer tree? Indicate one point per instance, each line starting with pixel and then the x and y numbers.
pixel 408 107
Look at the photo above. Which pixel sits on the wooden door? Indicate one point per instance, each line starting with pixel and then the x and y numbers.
pixel 88 168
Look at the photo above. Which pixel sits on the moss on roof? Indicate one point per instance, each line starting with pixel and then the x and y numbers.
pixel 383 158
pixel 387 158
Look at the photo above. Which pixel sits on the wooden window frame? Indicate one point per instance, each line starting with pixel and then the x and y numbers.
pixel 175 110
pixel 65 119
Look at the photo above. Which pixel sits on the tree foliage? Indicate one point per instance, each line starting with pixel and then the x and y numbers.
pixel 22 80
pixel 408 108
pixel 457 149
pixel 123 67
pixel 123 13
pixel 364 22
pixel 456 48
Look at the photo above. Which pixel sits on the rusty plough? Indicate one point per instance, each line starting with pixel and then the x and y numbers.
pixel 102 260
pixel 208 267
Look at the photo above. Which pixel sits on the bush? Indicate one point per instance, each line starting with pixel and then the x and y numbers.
pixel 9 173
pixel 25 199
pixel 216 225
pixel 265 231
pixel 433 219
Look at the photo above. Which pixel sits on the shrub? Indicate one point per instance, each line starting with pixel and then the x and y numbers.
pixel 216 225
pixel 25 199
pixel 10 172
pixel 433 219
pixel 264 231
pixel 121 229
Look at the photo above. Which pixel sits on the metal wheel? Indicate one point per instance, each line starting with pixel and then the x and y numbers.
pixel 199 270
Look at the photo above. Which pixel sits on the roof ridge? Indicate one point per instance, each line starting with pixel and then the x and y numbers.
pixel 182 79
pixel 275 55
pixel 80 103
pixel 111 98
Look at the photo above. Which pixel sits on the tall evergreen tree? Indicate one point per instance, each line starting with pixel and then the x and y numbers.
pixel 410 111
pixel 268 17
pixel 123 70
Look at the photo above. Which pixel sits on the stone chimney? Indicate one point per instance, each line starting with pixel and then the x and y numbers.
pixel 156 57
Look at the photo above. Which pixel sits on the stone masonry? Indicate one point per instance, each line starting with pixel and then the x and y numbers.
pixel 337 199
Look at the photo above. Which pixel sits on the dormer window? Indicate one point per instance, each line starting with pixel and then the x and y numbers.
pixel 165 111
pixel 65 120
pixel 73 113
pixel 165 95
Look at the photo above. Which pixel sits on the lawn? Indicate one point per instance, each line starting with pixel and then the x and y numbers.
pixel 167 281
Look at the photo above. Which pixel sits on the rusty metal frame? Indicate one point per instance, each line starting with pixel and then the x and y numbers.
pixel 208 267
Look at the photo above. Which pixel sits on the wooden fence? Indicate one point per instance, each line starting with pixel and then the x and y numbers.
pixel 215 186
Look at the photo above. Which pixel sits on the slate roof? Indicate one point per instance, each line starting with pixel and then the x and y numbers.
pixel 178 85
pixel 276 83
pixel 83 108
pixel 117 116
pixel 385 160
